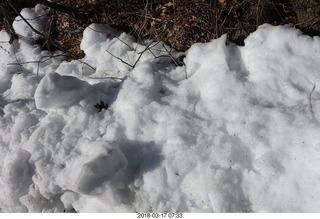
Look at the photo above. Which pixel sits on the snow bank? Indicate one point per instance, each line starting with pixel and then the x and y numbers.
pixel 234 130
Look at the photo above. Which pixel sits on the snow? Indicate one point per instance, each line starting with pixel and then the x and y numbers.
pixel 36 17
pixel 234 130
pixel 55 91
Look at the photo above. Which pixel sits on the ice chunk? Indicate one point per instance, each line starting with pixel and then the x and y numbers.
pixel 16 176
pixel 55 91
pixel 106 167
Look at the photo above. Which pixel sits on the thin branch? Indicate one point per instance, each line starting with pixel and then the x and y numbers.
pixel 15 55
pixel 176 62
pixel 257 14
pixel 107 77
pixel 141 53
pixel 48 57
pixel 6 49
pixel 231 8
pixel 84 63
pixel 31 19
pixel 120 59
pixel 61 8
pixel 138 59
pixel 41 60
pixel 310 103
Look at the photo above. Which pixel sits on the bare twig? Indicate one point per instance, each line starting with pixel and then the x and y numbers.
pixel 62 8
pixel 107 77
pixel 84 63
pixel 16 58
pixel 306 21
pixel 5 49
pixel 141 53
pixel 41 60
pixel 176 61
pixel 257 14
pixel 31 19
pixel 120 59
pixel 310 103
pixel 47 58
pixel 231 8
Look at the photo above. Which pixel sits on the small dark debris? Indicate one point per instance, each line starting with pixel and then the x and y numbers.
pixel 101 106
pixel 162 91
pixel 178 61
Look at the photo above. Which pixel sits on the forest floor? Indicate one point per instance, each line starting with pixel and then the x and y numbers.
pixel 179 23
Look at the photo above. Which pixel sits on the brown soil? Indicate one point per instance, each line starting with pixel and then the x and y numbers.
pixel 179 23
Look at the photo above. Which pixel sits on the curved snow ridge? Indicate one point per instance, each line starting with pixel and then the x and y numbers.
pixel 57 91
pixel 234 130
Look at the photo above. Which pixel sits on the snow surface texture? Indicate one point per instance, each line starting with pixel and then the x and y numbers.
pixel 36 17
pixel 234 130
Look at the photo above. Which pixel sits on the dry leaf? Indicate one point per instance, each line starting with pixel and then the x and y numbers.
pixel 169 4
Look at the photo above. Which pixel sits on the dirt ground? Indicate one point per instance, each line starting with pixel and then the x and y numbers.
pixel 179 23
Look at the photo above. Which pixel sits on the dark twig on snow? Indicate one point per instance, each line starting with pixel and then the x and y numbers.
pixel 41 60
pixel 139 57
pixel 310 103
pixel 119 59
pixel 141 53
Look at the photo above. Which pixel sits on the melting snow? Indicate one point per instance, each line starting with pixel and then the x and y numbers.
pixel 234 130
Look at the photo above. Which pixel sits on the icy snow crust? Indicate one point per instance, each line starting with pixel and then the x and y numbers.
pixel 235 130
